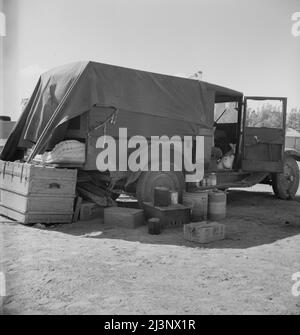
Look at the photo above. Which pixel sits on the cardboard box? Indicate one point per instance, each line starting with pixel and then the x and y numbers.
pixel 204 232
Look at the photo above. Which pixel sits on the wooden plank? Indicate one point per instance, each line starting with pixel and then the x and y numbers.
pixel 35 217
pixel 99 200
pixel 90 211
pixel 33 194
pixel 124 217
pixel 14 183
pixel 53 186
pixel 52 172
pixel 28 179
pixel 97 190
pixel 49 187
pixel 30 170
pixel 78 204
pixel 36 203
pixel 67 165
pixel 204 232
pixel 262 166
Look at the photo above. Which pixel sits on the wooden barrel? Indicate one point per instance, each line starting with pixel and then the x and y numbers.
pixel 197 201
pixel 154 226
pixel 217 205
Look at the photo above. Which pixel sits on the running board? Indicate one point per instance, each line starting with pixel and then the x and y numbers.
pixel 248 181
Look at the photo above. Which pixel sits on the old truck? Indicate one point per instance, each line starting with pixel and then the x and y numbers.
pixel 88 100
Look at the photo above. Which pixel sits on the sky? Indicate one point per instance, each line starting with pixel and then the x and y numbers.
pixel 245 45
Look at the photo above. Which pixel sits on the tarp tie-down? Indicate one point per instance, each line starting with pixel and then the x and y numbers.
pixel 111 119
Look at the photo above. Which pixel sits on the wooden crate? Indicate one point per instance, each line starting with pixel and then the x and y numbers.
pixel 36 194
pixel 90 211
pixel 172 216
pixel 124 217
pixel 204 232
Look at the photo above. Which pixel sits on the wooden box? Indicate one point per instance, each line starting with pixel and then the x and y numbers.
pixel 204 232
pixel 90 211
pixel 124 217
pixel 36 194
pixel 172 216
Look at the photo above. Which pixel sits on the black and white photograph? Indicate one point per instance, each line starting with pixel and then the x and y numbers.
pixel 149 160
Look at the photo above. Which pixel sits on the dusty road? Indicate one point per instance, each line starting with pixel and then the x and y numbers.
pixel 89 268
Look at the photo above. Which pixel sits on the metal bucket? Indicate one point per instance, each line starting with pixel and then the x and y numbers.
pixel 154 226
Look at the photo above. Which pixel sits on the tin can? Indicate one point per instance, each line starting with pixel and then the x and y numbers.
pixel 174 197
pixel 208 181
pixel 213 179
pixel 154 226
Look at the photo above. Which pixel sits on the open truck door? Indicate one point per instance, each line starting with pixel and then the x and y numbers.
pixel 264 134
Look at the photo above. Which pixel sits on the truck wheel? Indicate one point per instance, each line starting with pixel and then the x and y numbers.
pixel 149 180
pixel 285 185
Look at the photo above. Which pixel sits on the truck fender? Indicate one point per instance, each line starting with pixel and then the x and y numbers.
pixel 294 153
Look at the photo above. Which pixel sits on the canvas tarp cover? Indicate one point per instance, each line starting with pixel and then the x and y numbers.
pixel 77 87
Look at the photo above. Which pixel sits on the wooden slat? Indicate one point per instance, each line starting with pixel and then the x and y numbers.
pixel 35 217
pixel 78 204
pixel 262 166
pixel 37 203
pixel 28 179
pixel 33 194
pixel 97 199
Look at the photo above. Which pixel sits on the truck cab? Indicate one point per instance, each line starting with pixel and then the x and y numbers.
pixel 250 134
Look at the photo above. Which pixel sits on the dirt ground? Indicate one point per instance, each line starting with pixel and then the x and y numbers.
pixel 90 268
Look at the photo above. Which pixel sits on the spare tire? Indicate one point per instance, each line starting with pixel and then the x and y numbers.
pixel 285 185
pixel 149 180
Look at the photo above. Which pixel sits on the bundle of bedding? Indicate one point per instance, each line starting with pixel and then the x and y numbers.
pixel 66 152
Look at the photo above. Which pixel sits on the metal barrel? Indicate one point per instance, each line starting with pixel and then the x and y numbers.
pixel 197 201
pixel 217 205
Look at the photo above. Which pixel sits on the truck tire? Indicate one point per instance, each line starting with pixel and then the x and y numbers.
pixel 285 185
pixel 149 180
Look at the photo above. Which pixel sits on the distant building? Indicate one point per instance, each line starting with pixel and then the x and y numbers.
pixel 292 139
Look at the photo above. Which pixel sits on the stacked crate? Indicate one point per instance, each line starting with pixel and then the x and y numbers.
pixel 36 194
